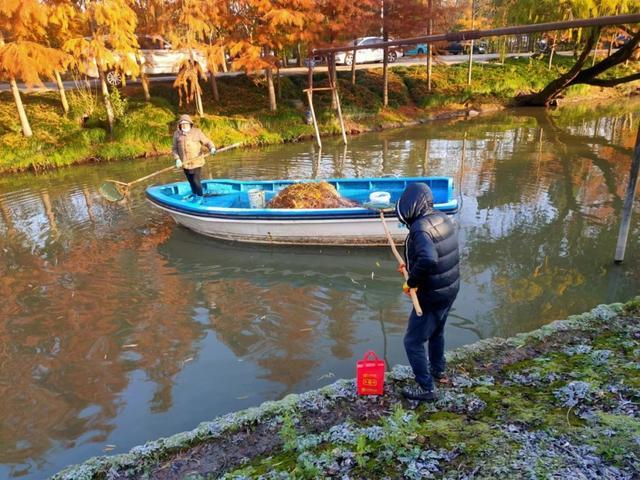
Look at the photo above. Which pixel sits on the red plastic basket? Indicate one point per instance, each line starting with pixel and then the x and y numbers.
pixel 370 374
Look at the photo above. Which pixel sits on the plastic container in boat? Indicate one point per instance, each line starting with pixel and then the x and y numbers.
pixel 381 198
pixel 256 198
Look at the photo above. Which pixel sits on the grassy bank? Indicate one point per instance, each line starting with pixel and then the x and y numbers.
pixel 144 128
pixel 559 402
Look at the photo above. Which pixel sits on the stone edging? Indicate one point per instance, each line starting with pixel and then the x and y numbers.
pixel 325 396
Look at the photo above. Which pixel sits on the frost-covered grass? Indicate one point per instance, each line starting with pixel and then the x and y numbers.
pixel 242 114
pixel 559 402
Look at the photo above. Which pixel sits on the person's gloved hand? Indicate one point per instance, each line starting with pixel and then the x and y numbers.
pixel 213 150
pixel 406 289
pixel 178 163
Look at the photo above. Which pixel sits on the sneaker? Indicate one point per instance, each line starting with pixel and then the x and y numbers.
pixel 419 393
pixel 440 377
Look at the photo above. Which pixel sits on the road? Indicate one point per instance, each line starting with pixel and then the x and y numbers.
pixel 291 71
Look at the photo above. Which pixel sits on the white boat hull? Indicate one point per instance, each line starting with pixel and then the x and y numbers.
pixel 344 232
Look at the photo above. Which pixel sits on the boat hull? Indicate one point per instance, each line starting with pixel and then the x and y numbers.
pixel 225 212
pixel 345 232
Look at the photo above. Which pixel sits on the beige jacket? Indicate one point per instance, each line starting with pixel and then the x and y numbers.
pixel 188 147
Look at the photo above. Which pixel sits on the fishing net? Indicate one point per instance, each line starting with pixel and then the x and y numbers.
pixel 112 192
pixel 310 195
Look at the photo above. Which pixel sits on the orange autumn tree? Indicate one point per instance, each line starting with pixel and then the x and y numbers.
pixel 401 19
pixel 187 25
pixel 150 14
pixel 264 26
pixel 105 40
pixel 345 20
pixel 22 55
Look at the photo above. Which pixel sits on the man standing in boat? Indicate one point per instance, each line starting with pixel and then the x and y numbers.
pixel 188 143
pixel 431 260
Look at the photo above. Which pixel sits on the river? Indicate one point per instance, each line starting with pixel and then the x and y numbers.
pixel 118 327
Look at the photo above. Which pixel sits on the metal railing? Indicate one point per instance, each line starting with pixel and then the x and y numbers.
pixel 496 32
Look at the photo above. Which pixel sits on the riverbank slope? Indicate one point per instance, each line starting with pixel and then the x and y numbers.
pixel 144 128
pixel 562 401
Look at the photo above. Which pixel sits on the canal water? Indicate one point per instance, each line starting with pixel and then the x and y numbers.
pixel 118 327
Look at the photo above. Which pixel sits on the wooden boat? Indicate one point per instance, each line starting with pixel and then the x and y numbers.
pixel 227 212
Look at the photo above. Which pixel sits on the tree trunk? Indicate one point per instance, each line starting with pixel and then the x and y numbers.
pixel 332 79
pixel 470 67
pixel 144 80
pixel 145 86
pixel 214 86
pixel 595 51
pixel 553 51
pixel 385 72
pixel 198 90
pixel 353 67
pixel 223 61
pixel 299 55
pixel 199 107
pixel 278 81
pixel 24 121
pixel 613 37
pixel 63 94
pixel 551 91
pixel 105 98
pixel 272 92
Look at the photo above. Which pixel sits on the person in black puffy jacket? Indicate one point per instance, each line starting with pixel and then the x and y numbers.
pixel 431 259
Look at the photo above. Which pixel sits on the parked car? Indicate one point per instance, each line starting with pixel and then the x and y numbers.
pixel 456 48
pixel 419 49
pixel 157 57
pixel 368 55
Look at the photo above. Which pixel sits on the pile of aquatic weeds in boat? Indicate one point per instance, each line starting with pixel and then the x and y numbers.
pixel 310 195
pixel 559 402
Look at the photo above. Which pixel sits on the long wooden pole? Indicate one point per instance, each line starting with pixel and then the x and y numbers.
pixel 625 224
pixel 313 117
pixel 473 23
pixel 412 291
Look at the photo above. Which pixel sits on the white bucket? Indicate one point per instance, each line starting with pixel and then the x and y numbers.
pixel 256 198
pixel 381 198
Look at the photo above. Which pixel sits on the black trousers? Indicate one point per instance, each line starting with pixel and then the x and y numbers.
pixel 427 328
pixel 193 175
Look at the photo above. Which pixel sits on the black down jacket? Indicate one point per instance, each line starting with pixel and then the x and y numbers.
pixel 431 248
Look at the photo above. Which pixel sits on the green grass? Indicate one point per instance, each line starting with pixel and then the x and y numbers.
pixel 242 115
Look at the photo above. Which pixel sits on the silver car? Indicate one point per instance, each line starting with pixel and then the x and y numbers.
pixel 368 55
pixel 157 57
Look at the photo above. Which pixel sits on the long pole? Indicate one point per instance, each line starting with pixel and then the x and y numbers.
pixel 473 22
pixel 313 117
pixel 429 45
pixel 400 260
pixel 625 224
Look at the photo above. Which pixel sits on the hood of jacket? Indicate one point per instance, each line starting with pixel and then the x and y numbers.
pixel 185 119
pixel 416 201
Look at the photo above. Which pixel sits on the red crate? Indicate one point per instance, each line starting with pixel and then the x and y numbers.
pixel 370 374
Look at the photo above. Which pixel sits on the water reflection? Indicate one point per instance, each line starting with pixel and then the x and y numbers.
pixel 112 316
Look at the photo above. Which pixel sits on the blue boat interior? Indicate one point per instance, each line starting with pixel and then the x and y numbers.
pixel 234 194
